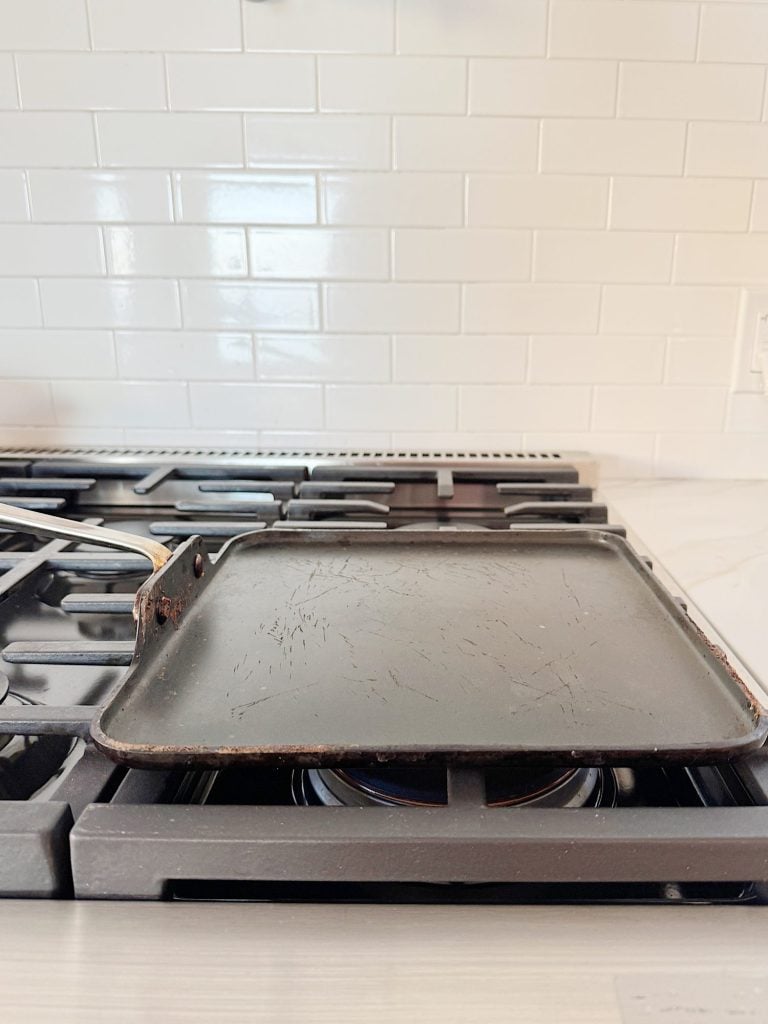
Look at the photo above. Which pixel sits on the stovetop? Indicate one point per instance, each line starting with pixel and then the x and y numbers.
pixel 73 824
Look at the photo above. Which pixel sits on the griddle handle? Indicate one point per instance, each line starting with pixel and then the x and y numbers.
pixel 67 529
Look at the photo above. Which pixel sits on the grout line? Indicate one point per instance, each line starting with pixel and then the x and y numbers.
pixel 88 25
pixel 699 21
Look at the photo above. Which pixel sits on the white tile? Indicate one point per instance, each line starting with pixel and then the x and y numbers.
pixel 179 25
pixel 715 456
pixel 241 82
pixel 587 359
pixel 257 406
pixel 664 409
pixel 248 305
pixel 384 406
pixel 461 254
pixel 109 303
pixel 680 204
pixel 483 27
pixel 652 30
pixel 19 303
pixel 162 140
pixel 734 32
pixel 45 139
pixel 602 256
pixel 650 309
pixel 704 92
pixel 456 441
pixel 542 88
pixel 340 253
pixel 100 196
pixel 747 414
pixel 505 408
pixel 32 250
pixel 620 455
pixel 176 251
pixel 612 147
pixel 403 85
pixel 186 437
pixel 120 403
pixel 8 97
pixel 392 307
pixel 730 150
pixel 465 144
pixel 13 197
pixel 759 206
pixel 183 355
pixel 91 81
pixel 392 199
pixel 48 354
pixel 531 308
pixel 459 359
pixel 343 26
pixel 246 198
pixel 25 403
pixel 537 201
pixel 722 259
pixel 343 141
pixel 699 360
pixel 60 435
pixel 323 357
pixel 325 440
pixel 43 25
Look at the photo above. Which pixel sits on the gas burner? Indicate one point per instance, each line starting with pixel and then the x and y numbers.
pixel 427 787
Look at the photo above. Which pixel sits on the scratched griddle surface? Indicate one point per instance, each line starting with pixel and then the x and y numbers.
pixel 501 648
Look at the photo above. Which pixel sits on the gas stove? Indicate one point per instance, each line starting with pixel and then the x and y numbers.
pixel 75 824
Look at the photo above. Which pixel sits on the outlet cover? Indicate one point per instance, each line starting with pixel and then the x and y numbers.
pixel 751 361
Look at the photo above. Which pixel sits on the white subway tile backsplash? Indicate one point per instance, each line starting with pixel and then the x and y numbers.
pixel 331 140
pixel 178 25
pixel 109 303
pixel 747 414
pixel 175 140
pixel 465 143
pixel 459 359
pixel 47 353
pixel 728 150
pixel 9 99
pixel 456 441
pixel 713 455
pixel 120 403
pixel 361 358
pixel 19 303
pixel 664 409
pixel 699 360
pixel 389 199
pixel 612 146
pixel 461 254
pixel 91 81
pixel 722 259
pixel 43 250
pixel 47 140
pixel 734 32
pixel 507 408
pixel 321 253
pixel 649 309
pixel 588 359
pixel 57 435
pixel 250 305
pixel 245 198
pixel 544 201
pixel 256 406
pixel 392 307
pixel 14 205
pixel 680 204
pixel 542 88
pixel 184 355
pixel 640 256
pixel 176 251
pixel 331 26
pixel 241 82
pixel 651 30
pixel 531 308
pixel 100 196
pixel 759 205
pixel 402 85
pixel 490 27
pixel 25 403
pixel 377 406
pixel 43 25
pixel 704 92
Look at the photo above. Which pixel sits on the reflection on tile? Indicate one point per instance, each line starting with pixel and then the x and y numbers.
pixel 176 251
pixel 251 306
pixel 184 355
pixel 324 357
pixel 318 253
pixel 246 198
pixel 100 196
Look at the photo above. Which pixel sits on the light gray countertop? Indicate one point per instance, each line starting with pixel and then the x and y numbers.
pixel 128 962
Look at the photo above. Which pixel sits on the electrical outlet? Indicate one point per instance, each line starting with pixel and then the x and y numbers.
pixel 750 370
